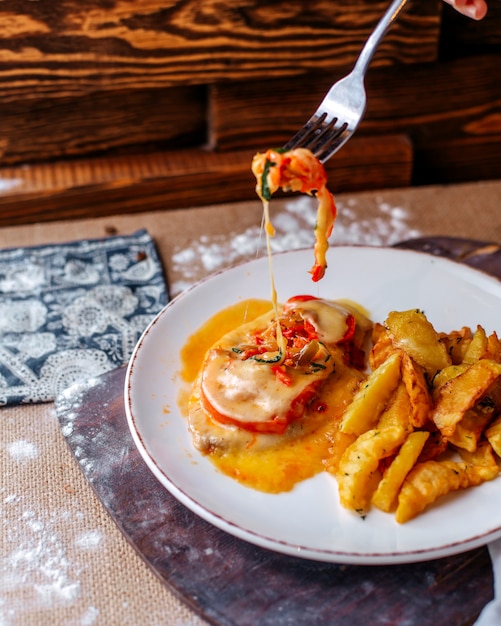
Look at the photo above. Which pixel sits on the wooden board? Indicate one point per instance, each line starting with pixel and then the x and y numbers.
pixel 88 85
pixel 101 123
pixel 457 99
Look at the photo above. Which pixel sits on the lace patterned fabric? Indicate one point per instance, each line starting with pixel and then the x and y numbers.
pixel 69 312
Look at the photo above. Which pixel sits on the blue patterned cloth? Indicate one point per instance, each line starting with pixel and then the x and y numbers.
pixel 72 311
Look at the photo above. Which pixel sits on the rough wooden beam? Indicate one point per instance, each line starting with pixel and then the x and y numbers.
pixel 35 131
pixel 70 49
pixel 176 179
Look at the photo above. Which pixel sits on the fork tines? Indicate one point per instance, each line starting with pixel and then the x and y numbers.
pixel 318 135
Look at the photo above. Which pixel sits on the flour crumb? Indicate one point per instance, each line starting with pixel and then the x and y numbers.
pixel 22 450
pixel 90 616
pixel 35 560
pixel 89 540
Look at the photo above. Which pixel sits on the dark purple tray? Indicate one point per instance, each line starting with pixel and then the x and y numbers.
pixel 230 582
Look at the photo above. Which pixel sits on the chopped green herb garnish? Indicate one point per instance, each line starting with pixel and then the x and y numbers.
pixel 317 366
pixel 265 188
pixel 261 358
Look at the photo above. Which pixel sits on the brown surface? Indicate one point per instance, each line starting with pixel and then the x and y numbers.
pixel 152 80
pixel 232 583
pixel 75 49
pixel 459 98
pixel 448 111
pixel 99 123
pixel 174 180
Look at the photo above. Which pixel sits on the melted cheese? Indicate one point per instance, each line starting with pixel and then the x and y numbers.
pixel 328 318
pixel 250 392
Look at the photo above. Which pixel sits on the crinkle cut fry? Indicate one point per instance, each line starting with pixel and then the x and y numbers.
pixel 359 463
pixel 428 481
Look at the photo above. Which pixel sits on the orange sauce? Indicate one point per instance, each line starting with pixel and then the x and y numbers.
pixel 193 352
pixel 278 468
pixel 293 460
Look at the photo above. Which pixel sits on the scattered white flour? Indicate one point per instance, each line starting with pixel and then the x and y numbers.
pixel 294 227
pixel 37 559
pixel 22 450
pixel 36 563
pixel 89 540
pixel 90 616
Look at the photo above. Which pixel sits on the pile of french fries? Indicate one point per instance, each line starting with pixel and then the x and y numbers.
pixel 425 422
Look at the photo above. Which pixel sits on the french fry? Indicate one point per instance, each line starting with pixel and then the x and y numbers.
pixel 428 481
pixel 397 411
pixel 448 373
pixel 428 393
pixel 493 435
pixel 482 456
pixel 434 447
pixel 420 398
pixel 357 473
pixel 493 348
pixel 461 393
pixel 456 343
pixel 468 431
pixel 371 398
pixel 385 496
pixel 340 442
pixel 382 347
pixel 412 332
pixel 477 348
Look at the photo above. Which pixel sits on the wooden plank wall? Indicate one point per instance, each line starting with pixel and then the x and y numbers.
pixel 113 106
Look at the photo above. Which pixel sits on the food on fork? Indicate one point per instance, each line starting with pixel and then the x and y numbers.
pixel 297 170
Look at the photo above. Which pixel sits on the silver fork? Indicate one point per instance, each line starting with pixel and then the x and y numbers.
pixel 340 112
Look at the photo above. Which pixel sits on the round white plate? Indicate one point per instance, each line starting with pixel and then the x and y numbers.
pixel 308 521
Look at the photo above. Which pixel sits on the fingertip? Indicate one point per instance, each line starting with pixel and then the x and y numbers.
pixel 474 9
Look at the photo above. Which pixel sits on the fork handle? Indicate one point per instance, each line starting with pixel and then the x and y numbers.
pixel 391 14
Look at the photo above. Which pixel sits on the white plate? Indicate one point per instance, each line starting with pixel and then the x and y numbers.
pixel 308 521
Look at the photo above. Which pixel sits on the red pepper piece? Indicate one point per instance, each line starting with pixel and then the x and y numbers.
pixel 282 375
pixel 351 325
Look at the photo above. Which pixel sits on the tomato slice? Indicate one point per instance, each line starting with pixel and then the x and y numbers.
pixel 282 375
pixel 351 325
pixel 300 298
